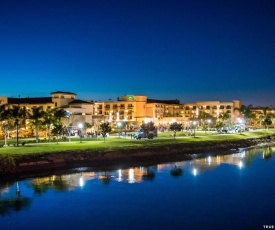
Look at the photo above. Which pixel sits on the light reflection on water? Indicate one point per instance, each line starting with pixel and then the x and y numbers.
pixel 200 183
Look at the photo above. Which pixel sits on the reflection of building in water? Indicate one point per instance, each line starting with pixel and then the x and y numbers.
pixel 62 182
pixel 5 187
pixel 202 165
pixel 132 175
pixel 72 181
pixel 161 167
pixel 138 174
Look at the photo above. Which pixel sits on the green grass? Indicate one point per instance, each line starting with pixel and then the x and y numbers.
pixel 114 142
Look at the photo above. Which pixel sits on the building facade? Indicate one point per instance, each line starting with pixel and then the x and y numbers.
pixel 80 109
pixel 142 109
pixel 128 108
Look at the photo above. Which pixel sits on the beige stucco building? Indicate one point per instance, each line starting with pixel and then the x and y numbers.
pixel 80 109
pixel 142 109
pixel 132 108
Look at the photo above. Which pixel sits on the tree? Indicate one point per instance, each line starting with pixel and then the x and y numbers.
pixel 68 122
pixel 105 128
pixel 58 129
pixel 148 129
pixel 96 121
pixel 18 113
pixel 246 113
pixel 176 127
pixel 36 117
pixel 205 118
pixel 148 126
pixel 87 125
pixel 266 121
pixel 59 114
pixel 49 120
pixel 225 119
pixel 5 122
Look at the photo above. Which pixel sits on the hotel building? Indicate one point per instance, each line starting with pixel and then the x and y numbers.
pixel 133 108
pixel 140 108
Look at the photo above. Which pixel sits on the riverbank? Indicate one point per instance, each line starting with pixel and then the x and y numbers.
pixel 48 162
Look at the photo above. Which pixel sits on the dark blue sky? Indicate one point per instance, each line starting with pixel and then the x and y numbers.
pixel 187 50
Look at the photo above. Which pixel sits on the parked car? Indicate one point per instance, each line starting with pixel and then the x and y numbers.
pixel 140 134
pixel 223 131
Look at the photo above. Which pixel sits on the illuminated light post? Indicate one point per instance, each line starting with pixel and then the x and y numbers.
pixel 209 122
pixel 80 126
pixel 119 127
pixel 194 124
pixel 240 121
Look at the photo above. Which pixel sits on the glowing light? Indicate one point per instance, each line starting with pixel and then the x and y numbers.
pixel 209 160
pixel 119 175
pixel 195 172
pixel 131 176
pixel 81 182
pixel 146 120
pixel 240 164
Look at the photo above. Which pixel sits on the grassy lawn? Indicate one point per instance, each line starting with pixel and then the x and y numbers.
pixel 115 142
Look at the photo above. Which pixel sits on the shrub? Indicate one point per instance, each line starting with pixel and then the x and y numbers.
pixel 150 135
pixel 7 164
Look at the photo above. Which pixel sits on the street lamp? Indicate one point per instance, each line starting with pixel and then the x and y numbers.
pixel 119 127
pixel 240 121
pixel 208 121
pixel 194 124
pixel 80 126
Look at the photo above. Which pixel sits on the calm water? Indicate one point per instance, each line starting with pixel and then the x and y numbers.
pixel 220 192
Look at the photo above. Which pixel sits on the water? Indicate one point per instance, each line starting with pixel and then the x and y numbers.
pixel 234 191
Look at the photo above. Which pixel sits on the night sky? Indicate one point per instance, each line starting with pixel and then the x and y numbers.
pixel 100 49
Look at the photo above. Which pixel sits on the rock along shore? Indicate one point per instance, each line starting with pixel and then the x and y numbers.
pixel 31 164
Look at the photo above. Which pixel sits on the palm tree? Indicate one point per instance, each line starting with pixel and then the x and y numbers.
pixel 36 117
pixel 59 114
pixel 18 113
pixel 48 120
pixel 3 118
